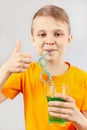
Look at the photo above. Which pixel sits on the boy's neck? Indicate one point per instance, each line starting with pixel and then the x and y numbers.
pixel 57 68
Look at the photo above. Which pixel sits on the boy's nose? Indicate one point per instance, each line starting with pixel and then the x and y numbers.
pixel 49 40
pixel 50 43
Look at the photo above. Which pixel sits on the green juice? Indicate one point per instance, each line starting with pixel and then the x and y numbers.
pixel 55 119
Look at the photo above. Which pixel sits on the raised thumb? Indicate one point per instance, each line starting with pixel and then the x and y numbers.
pixel 18 46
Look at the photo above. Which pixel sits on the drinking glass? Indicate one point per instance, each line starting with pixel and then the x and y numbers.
pixel 61 88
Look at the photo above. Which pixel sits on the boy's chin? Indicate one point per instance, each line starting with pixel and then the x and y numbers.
pixel 50 59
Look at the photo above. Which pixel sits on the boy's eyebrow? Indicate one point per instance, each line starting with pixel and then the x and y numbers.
pixel 58 30
pixel 41 31
pixel 53 30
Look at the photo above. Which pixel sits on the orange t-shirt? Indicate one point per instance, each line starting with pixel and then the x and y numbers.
pixel 34 94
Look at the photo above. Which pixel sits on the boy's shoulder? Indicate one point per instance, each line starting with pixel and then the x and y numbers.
pixel 33 67
pixel 78 70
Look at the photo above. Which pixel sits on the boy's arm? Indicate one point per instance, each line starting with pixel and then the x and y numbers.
pixel 4 74
pixel 18 62
pixel 84 113
pixel 82 123
pixel 2 97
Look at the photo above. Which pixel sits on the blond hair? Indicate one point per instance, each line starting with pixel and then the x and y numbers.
pixel 55 12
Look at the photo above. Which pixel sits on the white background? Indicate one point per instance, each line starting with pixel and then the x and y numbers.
pixel 15 23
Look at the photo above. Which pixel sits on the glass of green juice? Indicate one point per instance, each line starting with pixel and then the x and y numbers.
pixel 61 88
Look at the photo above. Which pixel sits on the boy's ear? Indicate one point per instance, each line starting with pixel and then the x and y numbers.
pixel 32 39
pixel 69 39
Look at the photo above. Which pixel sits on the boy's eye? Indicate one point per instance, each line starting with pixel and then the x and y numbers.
pixel 58 34
pixel 42 34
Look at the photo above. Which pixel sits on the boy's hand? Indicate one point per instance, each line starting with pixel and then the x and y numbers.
pixel 18 61
pixel 66 110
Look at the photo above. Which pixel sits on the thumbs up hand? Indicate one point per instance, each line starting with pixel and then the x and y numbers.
pixel 18 61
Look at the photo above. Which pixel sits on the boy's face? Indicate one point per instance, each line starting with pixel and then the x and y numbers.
pixel 50 35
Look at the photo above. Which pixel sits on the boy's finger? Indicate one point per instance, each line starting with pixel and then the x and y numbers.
pixel 18 46
pixel 65 97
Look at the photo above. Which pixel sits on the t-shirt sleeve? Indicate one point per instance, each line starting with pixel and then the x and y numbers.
pixel 13 86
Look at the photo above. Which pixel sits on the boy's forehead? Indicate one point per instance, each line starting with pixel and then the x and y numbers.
pixel 47 18
pixel 47 21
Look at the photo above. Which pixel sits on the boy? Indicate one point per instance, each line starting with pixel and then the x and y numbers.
pixel 50 32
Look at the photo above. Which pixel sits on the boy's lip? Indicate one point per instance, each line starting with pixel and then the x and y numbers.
pixel 50 50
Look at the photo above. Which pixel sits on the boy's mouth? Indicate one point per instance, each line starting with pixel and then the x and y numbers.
pixel 50 50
